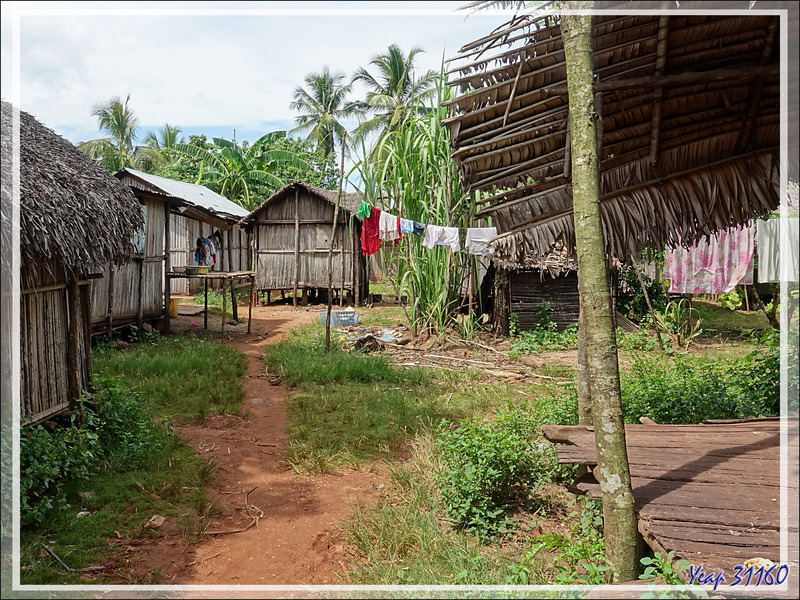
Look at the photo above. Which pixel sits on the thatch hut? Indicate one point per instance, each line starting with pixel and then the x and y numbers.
pixel 292 236
pixel 73 216
pixel 688 110
pixel 134 292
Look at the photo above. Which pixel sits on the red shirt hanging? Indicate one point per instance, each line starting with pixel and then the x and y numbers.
pixel 370 233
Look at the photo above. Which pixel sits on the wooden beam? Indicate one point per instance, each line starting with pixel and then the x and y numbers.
pixel 140 297
pixel 86 307
pixel 296 243
pixel 677 79
pixel 757 89
pixel 658 93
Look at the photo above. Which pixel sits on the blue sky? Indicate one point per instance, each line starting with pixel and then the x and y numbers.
pixel 209 73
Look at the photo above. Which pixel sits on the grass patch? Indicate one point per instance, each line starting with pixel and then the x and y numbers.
pixel 186 378
pixel 353 407
pixel 716 319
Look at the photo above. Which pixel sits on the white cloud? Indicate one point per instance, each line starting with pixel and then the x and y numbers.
pixel 209 71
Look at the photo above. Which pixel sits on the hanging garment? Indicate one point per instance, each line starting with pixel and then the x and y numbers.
pixel 406 226
pixel 769 250
pixel 442 236
pixel 477 238
pixel 419 228
pixel 714 265
pixel 364 209
pixel 389 227
pixel 370 233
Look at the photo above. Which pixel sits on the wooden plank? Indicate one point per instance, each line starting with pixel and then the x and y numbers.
pixel 296 243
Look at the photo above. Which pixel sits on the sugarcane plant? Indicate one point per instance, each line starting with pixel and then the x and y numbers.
pixel 412 174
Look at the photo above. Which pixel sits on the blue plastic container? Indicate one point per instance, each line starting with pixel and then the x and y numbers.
pixel 339 318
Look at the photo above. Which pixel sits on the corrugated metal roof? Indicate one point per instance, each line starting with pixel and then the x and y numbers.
pixel 191 193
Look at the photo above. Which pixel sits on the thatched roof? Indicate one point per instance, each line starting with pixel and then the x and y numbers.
pixel 72 211
pixel 193 200
pixel 349 202
pixel 690 127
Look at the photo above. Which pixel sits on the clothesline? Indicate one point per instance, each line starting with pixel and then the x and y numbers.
pixel 380 226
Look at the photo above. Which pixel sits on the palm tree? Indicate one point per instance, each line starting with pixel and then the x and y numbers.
pixel 165 138
pixel 240 172
pixel 394 94
pixel 117 150
pixel 321 104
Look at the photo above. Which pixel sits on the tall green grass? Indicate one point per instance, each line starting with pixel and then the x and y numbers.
pixel 185 378
pixel 412 174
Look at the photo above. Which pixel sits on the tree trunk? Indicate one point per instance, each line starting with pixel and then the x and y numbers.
pixel 619 518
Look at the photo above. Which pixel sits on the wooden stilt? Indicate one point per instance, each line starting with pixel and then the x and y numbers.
pixel 250 308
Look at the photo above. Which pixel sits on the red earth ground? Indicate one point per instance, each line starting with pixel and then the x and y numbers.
pixel 294 542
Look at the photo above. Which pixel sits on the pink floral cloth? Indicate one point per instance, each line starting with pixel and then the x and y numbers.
pixel 714 265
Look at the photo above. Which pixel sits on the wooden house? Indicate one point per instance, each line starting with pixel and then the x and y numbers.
pixel 134 292
pixel 73 215
pixel 292 235
pixel 535 286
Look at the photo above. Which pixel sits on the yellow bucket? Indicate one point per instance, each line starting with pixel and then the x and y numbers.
pixel 173 307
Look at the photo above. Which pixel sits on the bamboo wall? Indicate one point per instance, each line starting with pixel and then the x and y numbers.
pixel 528 290
pixel 277 251
pixel 143 278
pixel 44 343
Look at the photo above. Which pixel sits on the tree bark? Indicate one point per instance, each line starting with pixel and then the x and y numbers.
pixel 619 517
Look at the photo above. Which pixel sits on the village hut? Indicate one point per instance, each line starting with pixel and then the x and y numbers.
pixel 134 292
pixel 688 111
pixel 292 236
pixel 73 216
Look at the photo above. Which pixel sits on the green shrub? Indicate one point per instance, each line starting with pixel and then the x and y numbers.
pixel 730 300
pixel 490 467
pixel 689 391
pixel 121 432
pixel 641 340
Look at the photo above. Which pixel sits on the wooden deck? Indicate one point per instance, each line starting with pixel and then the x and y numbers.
pixel 709 492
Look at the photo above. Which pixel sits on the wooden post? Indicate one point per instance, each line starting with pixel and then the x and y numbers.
pixel 205 304
pixel 73 344
pixel 86 306
pixel 356 269
pixel 304 293
pixel 250 308
pixel 341 286
pixel 746 299
pixel 224 310
pixel 110 307
pixel 167 267
pixel 140 298
pixel 330 248
pixel 469 283
pixel 234 303
pixel 296 242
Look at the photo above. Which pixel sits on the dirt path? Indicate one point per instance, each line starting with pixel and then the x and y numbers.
pixel 293 541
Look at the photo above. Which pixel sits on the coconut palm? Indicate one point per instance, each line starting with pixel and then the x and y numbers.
pixel 240 172
pixel 117 150
pixel 165 138
pixel 321 104
pixel 394 94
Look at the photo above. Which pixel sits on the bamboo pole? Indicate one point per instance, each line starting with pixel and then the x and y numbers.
pixel 205 304
pixel 296 242
pixel 224 310
pixel 356 270
pixel 341 286
pixel 330 249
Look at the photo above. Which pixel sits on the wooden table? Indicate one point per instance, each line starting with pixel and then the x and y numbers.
pixel 710 492
pixel 228 279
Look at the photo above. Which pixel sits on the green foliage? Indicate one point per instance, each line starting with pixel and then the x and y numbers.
pixel 488 468
pixel 411 172
pixel 680 321
pixel 730 300
pixel 121 434
pixel 582 556
pixel 630 297
pixel 184 378
pixel 660 568
pixel 545 337
pixel 641 340
pixel 689 391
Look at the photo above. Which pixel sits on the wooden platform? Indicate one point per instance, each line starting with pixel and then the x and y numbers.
pixel 709 492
